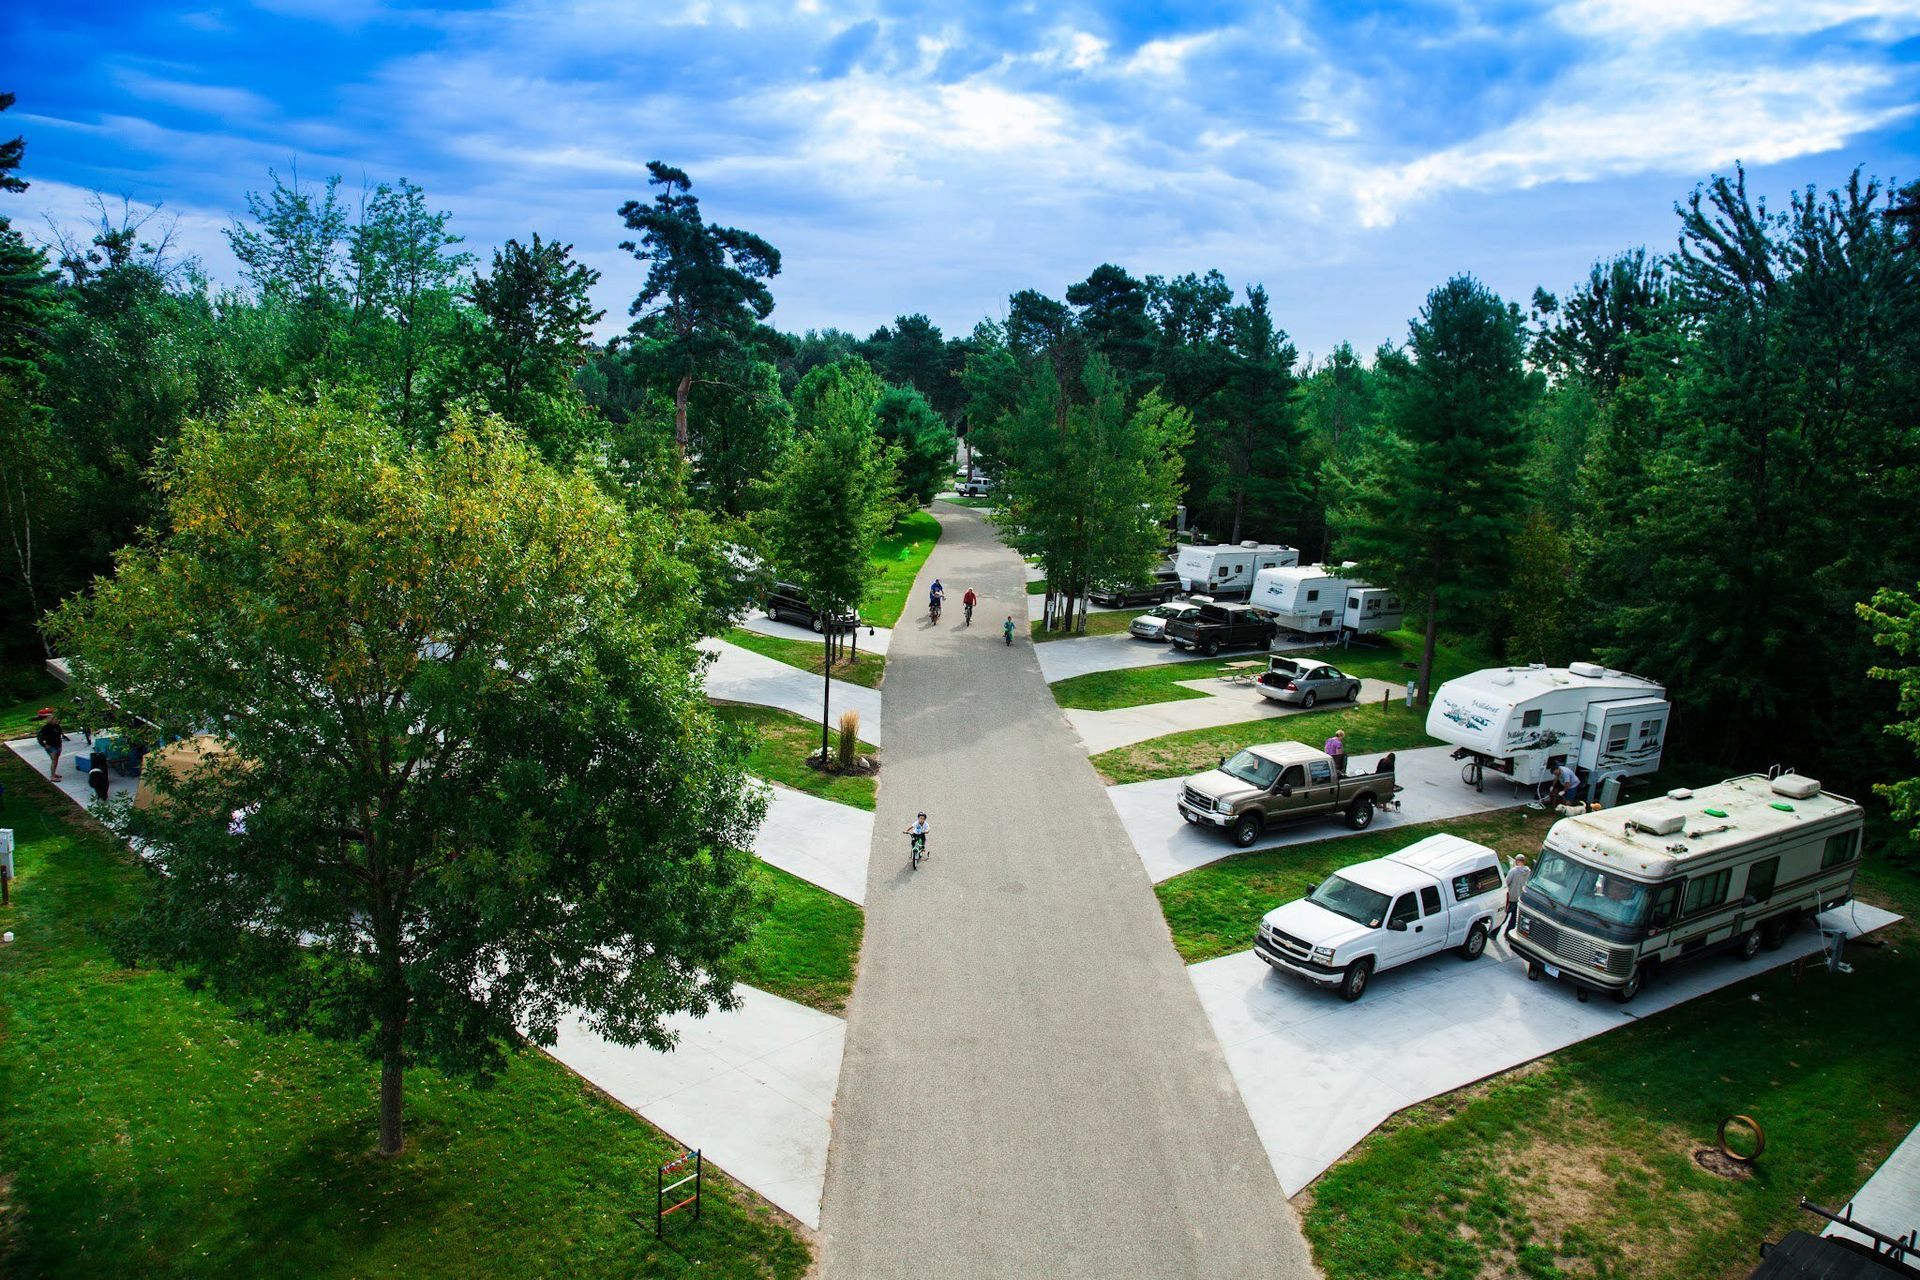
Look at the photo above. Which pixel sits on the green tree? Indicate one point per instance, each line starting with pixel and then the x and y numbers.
pixel 738 431
pixel 1247 431
pixel 537 316
pixel 832 499
pixel 1438 501
pixel 1339 411
pixel 922 442
pixel 468 788
pixel 404 279
pixel 1894 617
pixel 704 297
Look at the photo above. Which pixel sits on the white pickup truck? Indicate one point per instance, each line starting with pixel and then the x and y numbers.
pixel 1442 892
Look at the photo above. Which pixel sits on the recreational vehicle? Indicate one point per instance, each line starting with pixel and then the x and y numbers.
pixel 1309 599
pixel 1227 572
pixel 1371 609
pixel 1520 721
pixel 1617 893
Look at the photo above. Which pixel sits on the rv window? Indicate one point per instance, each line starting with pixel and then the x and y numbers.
pixel 1353 602
pixel 1663 903
pixel 1617 738
pixel 1475 883
pixel 1839 849
pixel 1649 733
pixel 1531 720
pixel 1320 771
pixel 1706 892
pixel 1314 594
pixel 1430 900
pixel 1760 877
pixel 1404 910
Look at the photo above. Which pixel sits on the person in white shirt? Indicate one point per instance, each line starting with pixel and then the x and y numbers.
pixel 1517 877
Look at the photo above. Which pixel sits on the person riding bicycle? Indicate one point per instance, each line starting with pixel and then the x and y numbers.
pixel 1006 629
pixel 969 600
pixel 918 832
pixel 936 596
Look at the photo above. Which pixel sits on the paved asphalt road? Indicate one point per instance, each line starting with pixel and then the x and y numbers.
pixel 1030 1087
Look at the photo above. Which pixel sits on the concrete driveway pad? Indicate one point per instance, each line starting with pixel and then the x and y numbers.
pixel 871 639
pixel 741 675
pixel 818 840
pixel 1221 704
pixel 1083 655
pixel 1168 844
pixel 1319 1074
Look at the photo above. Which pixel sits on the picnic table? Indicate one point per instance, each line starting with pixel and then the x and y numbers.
pixel 1242 672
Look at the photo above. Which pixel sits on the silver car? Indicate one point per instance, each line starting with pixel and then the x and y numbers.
pixel 1304 681
pixel 1152 625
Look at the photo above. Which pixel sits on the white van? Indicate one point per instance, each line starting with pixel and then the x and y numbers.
pixel 1619 893
pixel 1437 894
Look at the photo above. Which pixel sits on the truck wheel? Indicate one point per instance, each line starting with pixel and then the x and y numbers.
pixel 1748 945
pixel 1476 941
pixel 1360 813
pixel 1245 831
pixel 1212 649
pixel 1635 981
pixel 1306 703
pixel 819 625
pixel 1353 983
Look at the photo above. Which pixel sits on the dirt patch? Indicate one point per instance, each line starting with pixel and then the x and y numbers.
pixel 862 766
pixel 1720 1164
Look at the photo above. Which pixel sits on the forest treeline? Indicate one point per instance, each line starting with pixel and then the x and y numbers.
pixel 1698 464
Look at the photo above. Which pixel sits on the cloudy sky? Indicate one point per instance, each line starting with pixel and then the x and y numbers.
pixel 936 157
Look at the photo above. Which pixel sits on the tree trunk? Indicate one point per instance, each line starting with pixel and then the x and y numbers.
pixel 1239 504
pixel 1426 655
pixel 680 414
pixel 392 1072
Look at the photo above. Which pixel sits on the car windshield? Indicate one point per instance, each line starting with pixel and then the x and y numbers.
pixel 1590 891
pixel 1162 611
pixel 1356 902
pixel 1249 767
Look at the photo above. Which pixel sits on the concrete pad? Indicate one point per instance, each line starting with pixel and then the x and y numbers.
pixel 753 1089
pixel 73 782
pixel 1063 659
pixel 1890 1202
pixel 822 842
pixel 741 675
pixel 871 639
pixel 1168 844
pixel 1220 703
pixel 1319 1074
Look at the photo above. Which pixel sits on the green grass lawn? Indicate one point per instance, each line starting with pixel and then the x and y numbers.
pixel 1037 587
pixel 1582 1165
pixel 898 558
pixel 1111 623
pixel 146 1132
pixel 1213 910
pixel 1372 728
pixel 24 689
pixel 864 669
pixel 782 744
pixel 1139 686
pixel 808 945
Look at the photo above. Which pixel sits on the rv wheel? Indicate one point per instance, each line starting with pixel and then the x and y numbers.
pixel 1360 812
pixel 1632 989
pixel 1246 831
pixel 1749 945
pixel 1476 942
pixel 1774 933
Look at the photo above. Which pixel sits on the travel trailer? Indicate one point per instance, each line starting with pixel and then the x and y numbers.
pixel 1227 572
pixel 1618 893
pixel 1371 609
pixel 1519 721
pixel 1309 599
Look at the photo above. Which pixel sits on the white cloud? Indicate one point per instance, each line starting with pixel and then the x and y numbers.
pixel 223 102
pixel 1168 57
pixel 1653 19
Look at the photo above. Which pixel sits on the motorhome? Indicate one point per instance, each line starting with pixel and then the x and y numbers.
pixel 1519 722
pixel 1226 572
pixel 1617 893
pixel 1309 599
pixel 1371 609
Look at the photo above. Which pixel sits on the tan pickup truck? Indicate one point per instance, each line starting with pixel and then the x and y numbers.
pixel 1277 782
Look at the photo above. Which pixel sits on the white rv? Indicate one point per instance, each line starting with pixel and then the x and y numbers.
pixel 1372 609
pixel 1519 721
pixel 1618 893
pixel 1309 598
pixel 1227 572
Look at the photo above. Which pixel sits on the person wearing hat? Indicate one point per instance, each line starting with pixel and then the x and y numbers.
pixel 53 738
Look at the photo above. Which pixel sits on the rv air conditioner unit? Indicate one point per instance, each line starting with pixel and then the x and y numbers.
pixel 1590 670
pixel 1795 787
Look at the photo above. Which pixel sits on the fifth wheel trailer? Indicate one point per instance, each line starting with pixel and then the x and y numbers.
pixel 1519 721
pixel 1372 609
pixel 1309 599
pixel 1226 572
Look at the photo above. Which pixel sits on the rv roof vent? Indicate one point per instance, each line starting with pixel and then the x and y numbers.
pixel 1795 787
pixel 1680 793
pixel 1591 670
pixel 1503 678
pixel 1249 544
pixel 1658 822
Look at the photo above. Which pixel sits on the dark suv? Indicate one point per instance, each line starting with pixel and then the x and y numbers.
pixel 1164 587
pixel 786 602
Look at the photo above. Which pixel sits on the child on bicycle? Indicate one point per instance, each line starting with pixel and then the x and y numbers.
pixel 918 832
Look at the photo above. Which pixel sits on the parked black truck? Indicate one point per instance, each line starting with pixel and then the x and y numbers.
pixel 1222 626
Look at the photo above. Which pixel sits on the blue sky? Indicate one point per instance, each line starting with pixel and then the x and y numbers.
pixel 936 157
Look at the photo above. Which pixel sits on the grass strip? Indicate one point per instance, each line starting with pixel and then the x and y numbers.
pixel 808 945
pixel 1371 728
pixel 24 689
pixel 864 668
pixel 897 559
pixel 1110 623
pixel 1141 686
pixel 1213 910
pixel 146 1131
pixel 782 744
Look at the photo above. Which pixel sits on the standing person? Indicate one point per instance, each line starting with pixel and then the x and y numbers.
pixel 98 778
pixel 54 739
pixel 969 600
pixel 1337 748
pixel 1007 629
pixel 1517 877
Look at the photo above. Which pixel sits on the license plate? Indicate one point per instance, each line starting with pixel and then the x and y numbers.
pixel 1553 971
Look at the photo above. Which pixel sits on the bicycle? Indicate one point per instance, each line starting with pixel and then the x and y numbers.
pixel 933 610
pixel 969 619
pixel 916 852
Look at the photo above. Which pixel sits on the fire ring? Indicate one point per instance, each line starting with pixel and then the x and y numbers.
pixel 1759 1139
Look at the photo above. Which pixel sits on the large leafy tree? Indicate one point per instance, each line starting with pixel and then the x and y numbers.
pixel 405 274
pixel 1248 433
pixel 833 498
pixel 705 294
pixel 465 785
pixel 1894 617
pixel 538 316
pixel 921 439
pixel 1439 501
